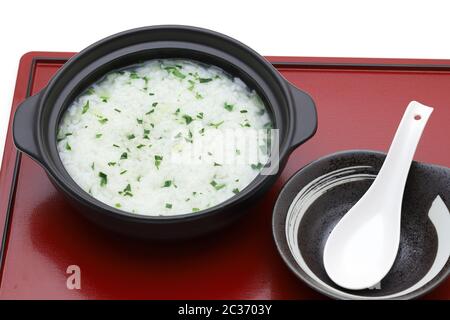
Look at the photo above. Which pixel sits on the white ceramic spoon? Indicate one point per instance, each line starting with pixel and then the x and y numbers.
pixel 362 247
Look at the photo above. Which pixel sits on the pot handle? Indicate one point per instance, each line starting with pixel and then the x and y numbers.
pixel 305 116
pixel 24 126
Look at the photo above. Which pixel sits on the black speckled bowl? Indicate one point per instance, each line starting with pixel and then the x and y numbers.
pixel 315 199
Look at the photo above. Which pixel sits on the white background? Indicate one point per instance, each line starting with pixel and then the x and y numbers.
pixel 339 28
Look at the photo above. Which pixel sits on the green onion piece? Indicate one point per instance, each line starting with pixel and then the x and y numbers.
pixel 111 164
pixel 216 185
pixel 167 184
pixel 228 106
pixel 192 85
pixel 195 209
pixel 98 135
pixel 158 160
pixel 131 136
pixel 123 172
pixel 85 108
pixel 134 75
pixel 103 178
pixel 68 147
pixel 187 118
pixel 139 121
pixel 235 190
pixel 168 205
pixel 257 166
pixel 216 125
pixel 124 155
pixel 103 120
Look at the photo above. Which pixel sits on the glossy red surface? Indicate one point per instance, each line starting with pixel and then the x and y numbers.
pixel 358 107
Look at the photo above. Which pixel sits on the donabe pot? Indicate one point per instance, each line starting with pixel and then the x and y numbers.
pixel 37 119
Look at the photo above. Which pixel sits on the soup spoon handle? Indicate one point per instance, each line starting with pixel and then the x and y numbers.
pixel 391 179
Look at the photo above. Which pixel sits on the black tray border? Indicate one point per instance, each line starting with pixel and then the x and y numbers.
pixel 277 64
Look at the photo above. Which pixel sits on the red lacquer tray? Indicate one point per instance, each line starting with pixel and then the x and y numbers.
pixel 359 103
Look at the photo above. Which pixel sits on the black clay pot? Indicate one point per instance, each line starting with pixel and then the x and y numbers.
pixel 36 120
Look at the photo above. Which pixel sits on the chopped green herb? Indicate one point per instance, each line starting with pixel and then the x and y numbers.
pixel 243 111
pixel 85 108
pixel 134 75
pixel 123 172
pixel 140 146
pixel 246 123
pixel 195 209
pixel 139 178
pixel 104 98
pixel 68 147
pixel 204 80
pixel 98 135
pixel 216 125
pixel 192 85
pixel 216 185
pixel 201 131
pixel 111 164
pixel 167 184
pixel 126 191
pixel 151 94
pixel 198 96
pixel 187 118
pixel 200 115
pixel 90 91
pixel 154 104
pixel 124 155
pixel 146 133
pixel 139 121
pixel 158 160
pixel 131 136
pixel 257 166
pixel 118 110
pixel 235 190
pixel 174 70
pixel 228 106
pixel 103 178
pixel 178 135
pixel 118 205
pixel 217 164
pixel 115 145
pixel 150 112
pixel 168 205
pixel 238 152
pixel 93 166
pixel 103 120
